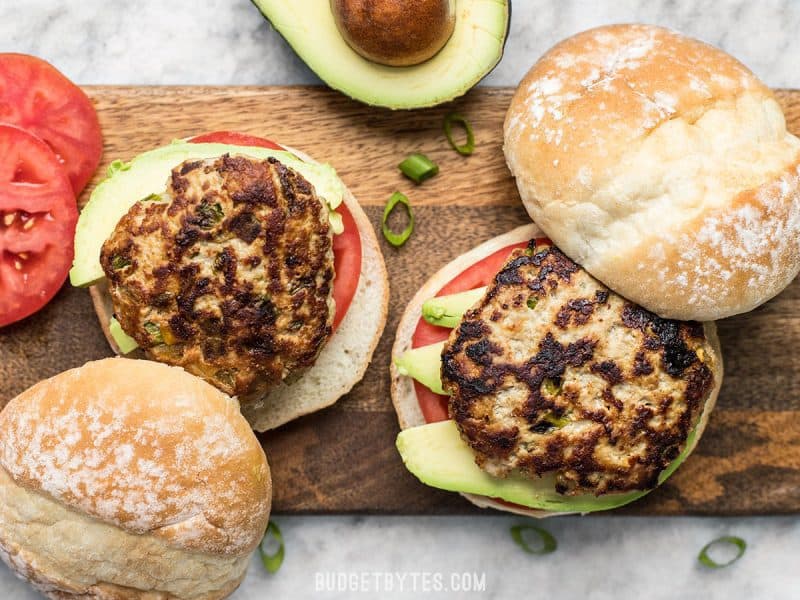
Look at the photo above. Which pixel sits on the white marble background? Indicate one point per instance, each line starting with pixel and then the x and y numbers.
pixel 599 558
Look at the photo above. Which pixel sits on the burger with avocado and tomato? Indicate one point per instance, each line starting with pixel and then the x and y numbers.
pixel 527 385
pixel 246 263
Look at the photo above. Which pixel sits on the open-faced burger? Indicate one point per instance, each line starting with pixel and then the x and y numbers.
pixel 245 263
pixel 527 385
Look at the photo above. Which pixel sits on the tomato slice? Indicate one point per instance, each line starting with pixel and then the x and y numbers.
pixel 346 245
pixel 346 263
pixel 37 223
pixel 34 95
pixel 235 139
pixel 434 406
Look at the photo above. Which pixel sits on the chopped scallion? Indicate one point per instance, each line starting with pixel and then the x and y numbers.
pixel 552 387
pixel 272 562
pixel 119 262
pixel 547 543
pixel 418 167
pixel 464 149
pixel 116 166
pixel 728 540
pixel 397 239
pixel 154 331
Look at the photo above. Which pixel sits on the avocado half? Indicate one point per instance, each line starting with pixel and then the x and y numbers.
pixel 473 50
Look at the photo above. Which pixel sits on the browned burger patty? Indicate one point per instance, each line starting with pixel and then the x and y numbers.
pixel 554 373
pixel 229 274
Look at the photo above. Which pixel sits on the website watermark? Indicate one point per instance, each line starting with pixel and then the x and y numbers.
pixel 386 582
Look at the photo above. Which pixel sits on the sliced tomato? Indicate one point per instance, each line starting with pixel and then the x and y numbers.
pixel 35 95
pixel 346 245
pixel 235 139
pixel 434 406
pixel 346 263
pixel 37 223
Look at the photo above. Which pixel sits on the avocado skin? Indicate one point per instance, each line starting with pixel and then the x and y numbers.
pixel 388 103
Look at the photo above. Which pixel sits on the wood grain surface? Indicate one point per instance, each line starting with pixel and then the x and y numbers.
pixel 343 459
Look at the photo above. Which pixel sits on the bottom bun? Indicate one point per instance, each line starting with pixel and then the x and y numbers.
pixel 404 396
pixel 128 479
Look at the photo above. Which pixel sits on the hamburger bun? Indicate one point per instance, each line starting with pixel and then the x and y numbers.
pixel 663 166
pixel 130 479
pixel 344 358
pixel 404 396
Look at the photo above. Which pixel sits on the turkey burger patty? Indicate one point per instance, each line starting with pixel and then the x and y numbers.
pixel 228 274
pixel 551 372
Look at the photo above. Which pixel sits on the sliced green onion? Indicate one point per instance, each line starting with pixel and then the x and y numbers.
pixel 467 148
pixel 551 387
pixel 116 166
pixel 154 331
pixel 418 167
pixel 547 543
pixel 555 421
pixel 119 262
pixel 397 239
pixel 272 562
pixel 211 214
pixel 532 302
pixel 728 540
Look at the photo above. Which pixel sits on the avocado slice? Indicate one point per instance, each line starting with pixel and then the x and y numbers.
pixel 438 457
pixel 125 343
pixel 447 311
pixel 473 50
pixel 147 174
pixel 423 364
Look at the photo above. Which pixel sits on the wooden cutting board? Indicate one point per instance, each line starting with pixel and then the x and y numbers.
pixel 343 459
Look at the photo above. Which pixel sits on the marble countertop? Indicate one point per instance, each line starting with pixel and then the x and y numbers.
pixel 600 557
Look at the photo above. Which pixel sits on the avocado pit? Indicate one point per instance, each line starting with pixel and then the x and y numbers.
pixel 395 33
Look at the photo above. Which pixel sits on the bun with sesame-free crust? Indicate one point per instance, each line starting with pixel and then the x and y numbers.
pixel 130 479
pixel 663 166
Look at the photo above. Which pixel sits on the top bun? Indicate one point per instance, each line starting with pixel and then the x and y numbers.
pixel 663 166
pixel 129 479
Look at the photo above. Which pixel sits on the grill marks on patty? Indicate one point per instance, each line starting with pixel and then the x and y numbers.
pixel 553 373
pixel 231 277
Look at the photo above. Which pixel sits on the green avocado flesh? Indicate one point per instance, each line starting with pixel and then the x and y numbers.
pixel 438 457
pixel 125 343
pixel 473 50
pixel 147 174
pixel 424 365
pixel 446 311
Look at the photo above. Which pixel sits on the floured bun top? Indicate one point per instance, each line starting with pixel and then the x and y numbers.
pixel 143 446
pixel 663 166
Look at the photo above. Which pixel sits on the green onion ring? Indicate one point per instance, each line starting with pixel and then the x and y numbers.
pixel 704 558
pixel 397 239
pixel 418 167
pixel 272 562
pixel 469 147
pixel 549 543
